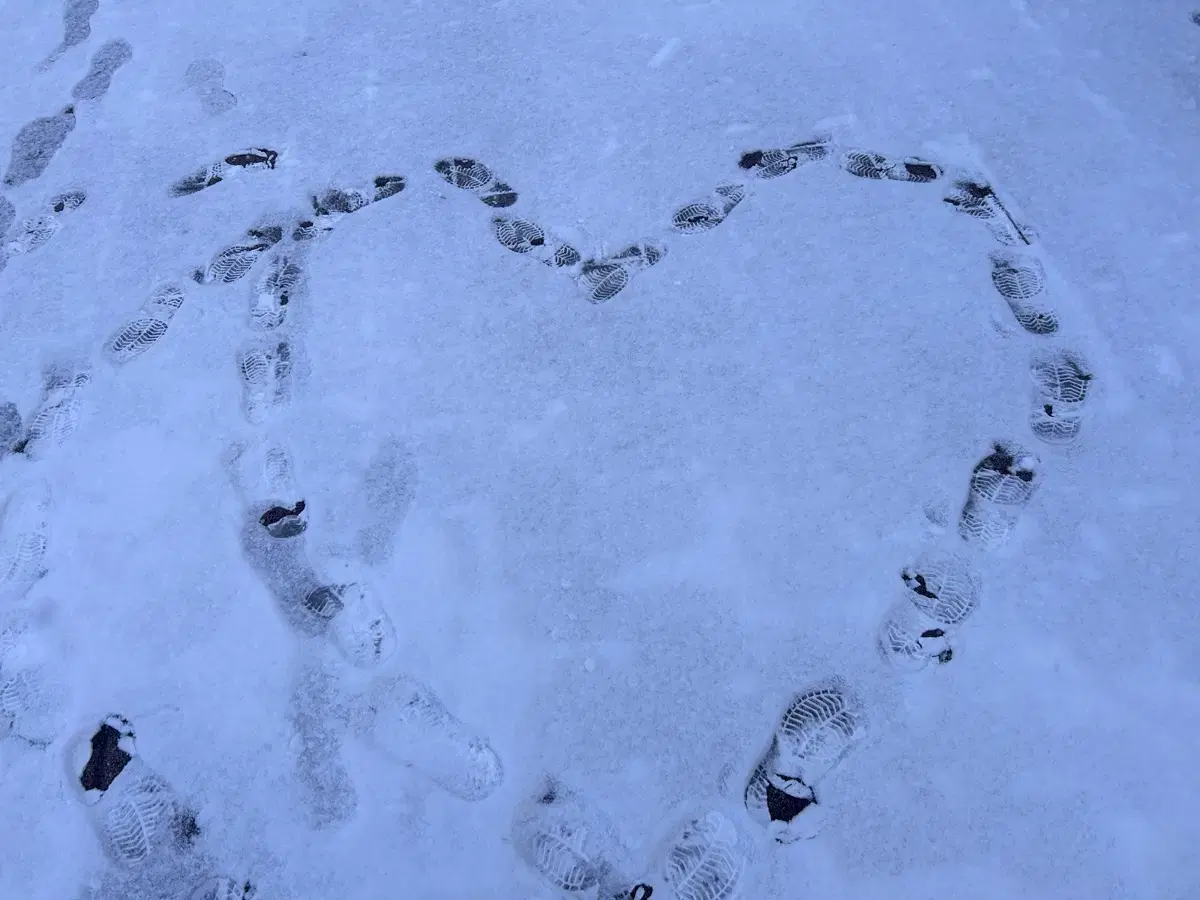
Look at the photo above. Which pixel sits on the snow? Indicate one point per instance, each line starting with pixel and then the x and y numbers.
pixel 640 527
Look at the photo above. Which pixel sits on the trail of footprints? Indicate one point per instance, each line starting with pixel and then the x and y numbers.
pixel 560 834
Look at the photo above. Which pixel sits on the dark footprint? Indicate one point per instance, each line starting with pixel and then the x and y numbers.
pixel 524 236
pixel 334 203
pixel 1062 380
pixel 8 214
pixel 222 888
pixel 974 197
pixel 776 162
pixel 33 233
pixel 35 145
pixel 255 159
pixel 867 164
pixel 206 79
pixel 233 262
pixel 707 214
pixel 110 57
pixel 10 427
pixel 472 175
pixel 603 279
pixel 145 329
pixel 1020 278
pixel 77 28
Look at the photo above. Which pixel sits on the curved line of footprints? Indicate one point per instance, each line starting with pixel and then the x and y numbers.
pixel 564 837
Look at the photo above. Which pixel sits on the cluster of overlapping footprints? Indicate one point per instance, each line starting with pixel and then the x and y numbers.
pixel 561 835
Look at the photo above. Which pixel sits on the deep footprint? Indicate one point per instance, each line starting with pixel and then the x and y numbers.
pixel 35 145
pixel 1002 484
pixel 603 279
pixel 472 175
pixel 1062 380
pixel 773 163
pixel 1020 279
pixel 526 237
pixel 110 57
pixel 707 214
pixel 255 159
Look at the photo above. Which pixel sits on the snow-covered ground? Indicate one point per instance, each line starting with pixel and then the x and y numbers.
pixel 640 526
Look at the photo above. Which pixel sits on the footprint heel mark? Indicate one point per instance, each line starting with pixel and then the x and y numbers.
pixel 472 175
pixel 868 164
pixel 776 162
pixel 35 144
pixel 389 488
pixel 252 160
pixel 1020 279
pixel 1062 380
pixel 222 887
pixel 572 844
pixel 527 237
pixel 33 234
pixel 603 279
pixel 235 261
pixel 147 328
pixel 327 790
pixel 24 535
pixel 941 592
pixel 205 78
pixel 274 292
pixel 708 213
pixel 266 368
pixel 819 728
pixel 104 65
pixel 332 204
pixel 64 387
pixel 1001 486
pixel 404 719
pixel 135 811
pixel 706 857
pixel 77 28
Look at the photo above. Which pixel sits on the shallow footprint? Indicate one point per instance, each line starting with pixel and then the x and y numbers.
pixel 404 719
pixel 77 28
pixel 24 528
pixel 266 369
pixel 64 386
pixel 332 204
pixel 706 857
pixel 35 145
pixel 110 57
pixel 328 793
pixel 282 278
pixel 147 328
pixel 33 233
pixel 942 592
pixel 472 175
pixel 205 78
pixel 527 237
pixel 389 488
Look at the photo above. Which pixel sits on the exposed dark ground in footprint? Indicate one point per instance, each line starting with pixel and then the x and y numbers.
pixel 974 197
pixel 105 62
pixel 868 164
pixel 707 214
pixel 472 175
pixel 256 158
pixel 77 28
pixel 35 145
pixel 205 78
pixel 775 162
